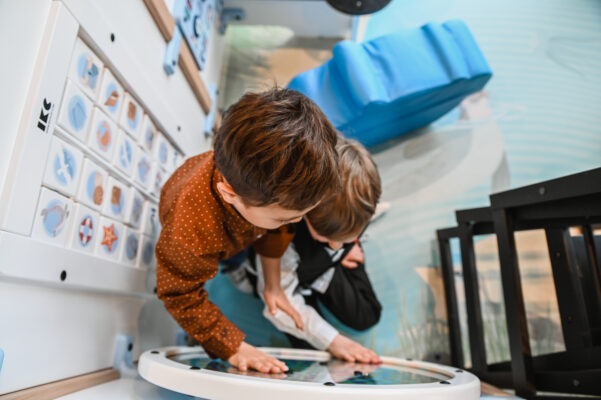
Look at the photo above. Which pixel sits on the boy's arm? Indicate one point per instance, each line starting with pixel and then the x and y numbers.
pixel 273 294
pixel 181 277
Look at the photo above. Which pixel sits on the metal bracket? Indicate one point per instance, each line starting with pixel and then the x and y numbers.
pixel 123 361
pixel 230 14
pixel 172 52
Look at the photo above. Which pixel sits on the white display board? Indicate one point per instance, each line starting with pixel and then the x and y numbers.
pixel 77 225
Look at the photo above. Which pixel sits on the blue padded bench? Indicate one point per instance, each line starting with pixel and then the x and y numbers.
pixel 396 83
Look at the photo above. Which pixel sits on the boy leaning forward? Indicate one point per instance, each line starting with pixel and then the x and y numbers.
pixel 274 159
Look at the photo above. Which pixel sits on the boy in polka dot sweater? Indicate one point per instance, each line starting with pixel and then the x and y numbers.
pixel 274 159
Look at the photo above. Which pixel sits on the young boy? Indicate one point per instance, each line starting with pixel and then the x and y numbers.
pixel 325 263
pixel 274 159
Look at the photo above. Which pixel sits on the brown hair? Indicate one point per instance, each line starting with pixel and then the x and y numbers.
pixel 347 213
pixel 277 147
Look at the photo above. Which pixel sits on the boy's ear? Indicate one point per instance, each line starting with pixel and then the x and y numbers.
pixel 227 192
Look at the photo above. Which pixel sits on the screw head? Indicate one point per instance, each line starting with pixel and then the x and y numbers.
pixel 542 190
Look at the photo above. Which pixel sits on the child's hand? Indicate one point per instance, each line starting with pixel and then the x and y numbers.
pixel 275 298
pixel 354 257
pixel 348 350
pixel 250 357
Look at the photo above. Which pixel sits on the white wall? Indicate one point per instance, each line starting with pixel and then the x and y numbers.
pixel 52 331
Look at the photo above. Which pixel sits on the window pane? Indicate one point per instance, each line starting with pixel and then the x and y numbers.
pixel 491 299
pixel 538 286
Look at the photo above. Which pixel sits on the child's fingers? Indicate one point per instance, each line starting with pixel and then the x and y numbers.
pixel 242 365
pixel 288 309
pixel 259 366
pixel 271 305
pixel 349 264
pixel 349 358
pixel 278 364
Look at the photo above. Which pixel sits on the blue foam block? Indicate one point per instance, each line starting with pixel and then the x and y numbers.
pixel 394 84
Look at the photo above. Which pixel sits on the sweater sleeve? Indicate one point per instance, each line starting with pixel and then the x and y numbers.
pixel 274 243
pixel 181 277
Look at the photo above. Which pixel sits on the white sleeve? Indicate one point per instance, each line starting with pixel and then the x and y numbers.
pixel 317 331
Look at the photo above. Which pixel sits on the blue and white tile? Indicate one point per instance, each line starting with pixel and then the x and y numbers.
pixel 143 169
pixel 86 69
pixel 146 256
pixel 86 225
pixel 76 112
pixel 103 135
pixel 163 152
pixel 148 135
pixel 125 153
pixel 150 220
pixel 158 177
pixel 53 217
pixel 131 247
pixel 64 166
pixel 131 116
pixel 134 209
pixel 110 239
pixel 92 189
pixel 116 199
pixel 111 95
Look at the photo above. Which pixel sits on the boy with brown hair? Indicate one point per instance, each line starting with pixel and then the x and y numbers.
pixel 325 264
pixel 274 159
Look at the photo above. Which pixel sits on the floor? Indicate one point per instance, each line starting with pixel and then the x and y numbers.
pixel 537 119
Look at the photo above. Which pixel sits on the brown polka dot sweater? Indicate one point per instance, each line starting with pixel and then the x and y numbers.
pixel 199 229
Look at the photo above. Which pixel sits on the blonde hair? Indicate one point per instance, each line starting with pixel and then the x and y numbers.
pixel 347 213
